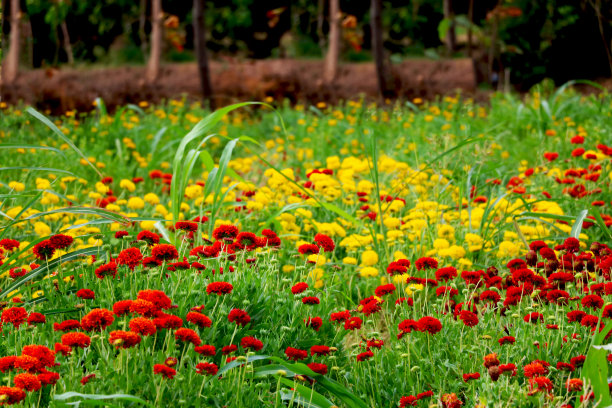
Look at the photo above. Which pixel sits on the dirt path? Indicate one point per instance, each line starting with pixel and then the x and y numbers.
pixel 233 80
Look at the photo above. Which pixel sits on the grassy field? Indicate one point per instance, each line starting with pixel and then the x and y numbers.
pixel 421 254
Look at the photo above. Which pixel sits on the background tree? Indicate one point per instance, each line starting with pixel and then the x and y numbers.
pixel 383 74
pixel 11 63
pixel 333 50
pixel 157 17
pixel 199 34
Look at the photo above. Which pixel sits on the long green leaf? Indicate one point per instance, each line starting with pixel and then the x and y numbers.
pixel 577 227
pixel 47 268
pixel 96 399
pixel 596 369
pixel 62 136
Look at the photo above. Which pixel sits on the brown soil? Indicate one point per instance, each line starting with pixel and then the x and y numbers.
pixel 233 80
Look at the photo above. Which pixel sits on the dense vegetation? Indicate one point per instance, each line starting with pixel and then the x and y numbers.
pixel 426 253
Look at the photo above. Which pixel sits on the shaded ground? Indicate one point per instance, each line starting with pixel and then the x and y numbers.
pixel 298 80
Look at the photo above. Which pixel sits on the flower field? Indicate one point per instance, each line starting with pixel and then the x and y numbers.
pixel 421 254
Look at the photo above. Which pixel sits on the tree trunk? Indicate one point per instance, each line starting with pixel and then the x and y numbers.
pixel 156 41
pixel 199 33
pixel 11 64
pixel 385 88
pixel 333 51
pixel 67 45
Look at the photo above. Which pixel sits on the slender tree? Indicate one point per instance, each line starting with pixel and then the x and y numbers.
pixel 199 33
pixel 333 50
pixel 11 63
pixel 383 74
pixel 156 41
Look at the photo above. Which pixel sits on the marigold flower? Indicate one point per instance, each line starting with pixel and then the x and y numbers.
pixel 199 319
pixel 425 263
pixel 365 355
pixel 87 378
pixel 429 324
pixel 97 320
pixel 353 323
pixel 109 269
pixel 43 250
pixel 225 233
pixel 187 336
pixel 11 395
pixel 220 288
pixel 85 294
pixel 308 249
pixel 319 350
pixel 164 252
pixel 124 339
pixel 165 371
pixel 238 316
pixel 470 376
pixel 44 355
pixel 206 368
pixel 295 354
pixel 206 350
pixel 149 237
pixel 61 241
pixel 251 343
pixel 574 385
pixel 14 315
pixel 76 339
pixel 324 242
pixel 318 368
pixel 299 288
pixel 142 326
pixel 159 299
pixel 132 257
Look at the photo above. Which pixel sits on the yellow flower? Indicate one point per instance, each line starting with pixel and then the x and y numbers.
pixel 350 260
pixel 288 268
pixel 42 184
pixel 151 198
pixel 135 203
pixel 17 186
pixel 42 229
pixel 128 185
pixel 369 258
pixel 368 271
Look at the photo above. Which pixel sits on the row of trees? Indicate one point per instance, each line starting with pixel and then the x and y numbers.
pixel 562 39
pixel 11 62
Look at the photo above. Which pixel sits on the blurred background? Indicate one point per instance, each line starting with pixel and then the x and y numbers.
pixel 283 48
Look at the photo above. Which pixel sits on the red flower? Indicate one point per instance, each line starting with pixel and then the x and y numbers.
pixel 87 378
pixel 470 319
pixel 450 401
pixel 295 354
pixel 149 237
pixel 408 401
pixel 533 317
pixel 383 290
pixel 340 316
pixel 121 234
pixel 299 288
pixel 187 336
pixel 9 244
pixel 319 350
pixel 43 250
pixel 76 339
pixel 246 240
pixel 225 233
pixel 199 319
pixel 208 368
pixel 429 324
pixel 85 294
pixel 592 301
pixel 61 241
pixel 109 269
pixel 131 257
pixel 28 382
pixel 225 350
pixel 251 343
pixel 577 139
pixel 238 316
pixel 446 273
pixel 551 156
pixel 396 268
pixel 48 378
pixel 506 340
pixel 167 321
pixel 14 315
pixel 353 323
pixel 426 263
pixel 407 326
pixel 142 326
pixel 220 288
pixel 575 316
pixel 308 249
pixel 97 320
pixel 270 238
pixel 318 368
pixel 122 307
pixel 324 242
pixel 206 350
pixel 159 299
pixel 164 371
pixel 187 226
pixel 11 395
pixel 124 339
pixel 164 252
pixel 311 300
pixel 365 355
pixel 470 376
pixel 45 356
pixel 7 363
pixel 36 318
pixel 534 369
pixel 63 349
pixel 574 385
pixel 539 384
